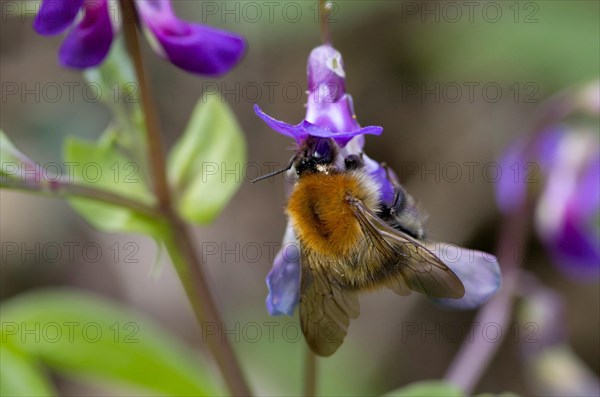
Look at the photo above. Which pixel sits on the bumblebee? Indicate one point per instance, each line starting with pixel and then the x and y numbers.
pixel 351 242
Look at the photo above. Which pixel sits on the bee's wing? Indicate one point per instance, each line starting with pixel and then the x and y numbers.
pixel 325 308
pixel 420 270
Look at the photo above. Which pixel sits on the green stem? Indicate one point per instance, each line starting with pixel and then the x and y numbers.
pixel 310 373
pixel 180 243
pixel 181 250
pixel 155 148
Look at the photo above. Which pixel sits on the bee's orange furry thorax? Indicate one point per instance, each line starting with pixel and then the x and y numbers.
pixel 321 216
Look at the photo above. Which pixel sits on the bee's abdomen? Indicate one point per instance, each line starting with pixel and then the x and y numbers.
pixel 321 215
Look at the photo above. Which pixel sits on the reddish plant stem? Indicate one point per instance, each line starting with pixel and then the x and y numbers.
pixel 476 354
pixel 323 18
pixel 180 242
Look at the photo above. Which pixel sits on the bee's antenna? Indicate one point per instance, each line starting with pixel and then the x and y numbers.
pixel 260 178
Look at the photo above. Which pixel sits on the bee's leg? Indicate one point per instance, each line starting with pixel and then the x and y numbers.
pixel 399 202
pixel 403 210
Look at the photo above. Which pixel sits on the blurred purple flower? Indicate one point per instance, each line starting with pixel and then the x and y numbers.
pixel 192 47
pixel 546 351
pixel 563 167
pixel 568 209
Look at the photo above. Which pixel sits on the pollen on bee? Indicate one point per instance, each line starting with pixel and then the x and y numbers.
pixel 321 216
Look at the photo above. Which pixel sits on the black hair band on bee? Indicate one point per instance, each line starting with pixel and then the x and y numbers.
pixel 274 173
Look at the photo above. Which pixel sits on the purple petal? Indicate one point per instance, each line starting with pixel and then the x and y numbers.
pixel 55 16
pixel 328 104
pixel 380 175
pixel 192 47
pixel 284 278
pixel 294 131
pixel 518 171
pixel 587 194
pixel 342 138
pixel 325 71
pixel 337 116
pixel 567 210
pixel 478 271
pixel 575 247
pixel 88 43
pixel 547 145
pixel 306 128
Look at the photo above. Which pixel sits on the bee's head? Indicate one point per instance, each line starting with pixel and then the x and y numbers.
pixel 316 155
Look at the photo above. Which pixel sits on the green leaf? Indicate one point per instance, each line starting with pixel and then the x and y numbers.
pixel 102 166
pixel 432 388
pixel 205 165
pixel 115 79
pixel 91 339
pixel 12 161
pixel 20 374
pixel 115 75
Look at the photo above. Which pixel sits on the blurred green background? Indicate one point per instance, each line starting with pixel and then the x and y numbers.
pixel 403 62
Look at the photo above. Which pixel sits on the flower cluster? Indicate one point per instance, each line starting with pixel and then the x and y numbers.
pixel 566 162
pixel 192 47
pixel 330 114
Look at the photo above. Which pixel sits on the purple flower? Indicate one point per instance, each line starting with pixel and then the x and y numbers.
pixel 568 209
pixel 88 42
pixel 305 128
pixel 329 110
pixel 478 271
pixel 563 167
pixel 330 113
pixel 192 47
pixel 284 278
